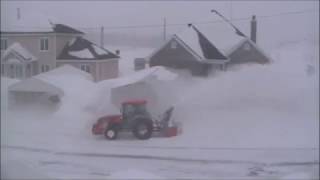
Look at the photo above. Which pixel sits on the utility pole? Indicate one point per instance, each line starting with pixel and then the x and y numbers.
pixel 102 37
pixel 231 11
pixel 164 29
pixel 18 14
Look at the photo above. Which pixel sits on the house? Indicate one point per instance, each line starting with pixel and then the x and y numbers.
pixel 27 50
pixel 208 47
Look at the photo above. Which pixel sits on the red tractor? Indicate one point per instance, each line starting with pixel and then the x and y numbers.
pixel 134 118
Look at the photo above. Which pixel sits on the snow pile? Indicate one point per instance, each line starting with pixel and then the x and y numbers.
pixel 157 72
pixel 66 70
pixel 77 107
pixel 35 85
pixel 254 106
pixel 133 174
pixel 5 83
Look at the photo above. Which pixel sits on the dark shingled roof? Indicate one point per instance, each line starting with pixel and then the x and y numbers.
pixel 61 28
pixel 208 49
pixel 80 44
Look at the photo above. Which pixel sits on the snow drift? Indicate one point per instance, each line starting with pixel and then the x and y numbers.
pixel 255 106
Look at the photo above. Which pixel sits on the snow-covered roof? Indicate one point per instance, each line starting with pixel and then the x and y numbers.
pixel 28 22
pixel 158 72
pixel 35 85
pixel 35 23
pixel 219 33
pixel 82 49
pixel 21 53
pixel 65 70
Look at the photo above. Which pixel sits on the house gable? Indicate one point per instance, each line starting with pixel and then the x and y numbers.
pixel 10 57
pixel 177 57
pixel 248 52
pixel 17 52
pixel 176 54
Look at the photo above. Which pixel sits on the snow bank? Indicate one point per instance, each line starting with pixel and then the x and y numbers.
pixel 133 174
pixel 66 70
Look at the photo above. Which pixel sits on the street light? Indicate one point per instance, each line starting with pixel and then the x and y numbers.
pixel 226 20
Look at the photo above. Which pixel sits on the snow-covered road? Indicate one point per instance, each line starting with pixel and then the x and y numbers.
pixel 102 165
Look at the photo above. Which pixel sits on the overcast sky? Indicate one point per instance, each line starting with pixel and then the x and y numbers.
pixel 125 13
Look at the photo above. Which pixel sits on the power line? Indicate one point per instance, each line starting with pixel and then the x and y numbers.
pixel 208 22
pixel 184 24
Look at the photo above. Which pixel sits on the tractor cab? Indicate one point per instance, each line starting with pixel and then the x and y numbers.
pixel 130 108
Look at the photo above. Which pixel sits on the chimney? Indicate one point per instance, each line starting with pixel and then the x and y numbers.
pixel 253 36
pixel 118 52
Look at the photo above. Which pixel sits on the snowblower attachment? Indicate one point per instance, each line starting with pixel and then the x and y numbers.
pixel 168 127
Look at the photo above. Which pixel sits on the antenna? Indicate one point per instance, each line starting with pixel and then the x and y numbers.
pixel 226 20
pixel 164 29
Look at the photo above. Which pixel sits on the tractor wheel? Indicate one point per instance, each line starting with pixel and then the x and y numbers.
pixel 111 133
pixel 142 129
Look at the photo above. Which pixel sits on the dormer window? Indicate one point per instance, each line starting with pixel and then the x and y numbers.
pixel 173 45
pixel 44 44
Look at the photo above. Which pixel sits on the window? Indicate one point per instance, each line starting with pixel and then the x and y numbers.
pixel 85 67
pixel 44 44
pixel 173 45
pixel 4 44
pixel 16 71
